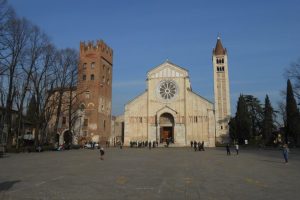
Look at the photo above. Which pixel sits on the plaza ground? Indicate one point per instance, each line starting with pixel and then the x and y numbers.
pixel 161 173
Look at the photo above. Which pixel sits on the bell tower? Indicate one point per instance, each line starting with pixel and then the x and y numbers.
pixel 221 92
pixel 95 90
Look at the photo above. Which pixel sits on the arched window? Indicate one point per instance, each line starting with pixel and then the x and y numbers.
pixel 222 60
pixel 82 107
pixel 92 77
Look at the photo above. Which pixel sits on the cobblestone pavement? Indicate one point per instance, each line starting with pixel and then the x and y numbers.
pixel 161 173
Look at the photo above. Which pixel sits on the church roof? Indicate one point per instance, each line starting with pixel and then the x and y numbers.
pixel 200 96
pixel 167 62
pixel 219 49
pixel 136 97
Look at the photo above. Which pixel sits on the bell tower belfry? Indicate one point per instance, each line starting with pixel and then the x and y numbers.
pixel 221 92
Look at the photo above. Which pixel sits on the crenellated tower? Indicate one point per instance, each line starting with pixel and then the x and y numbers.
pixel 221 92
pixel 95 90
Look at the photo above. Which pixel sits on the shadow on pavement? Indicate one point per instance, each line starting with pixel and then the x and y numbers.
pixel 7 185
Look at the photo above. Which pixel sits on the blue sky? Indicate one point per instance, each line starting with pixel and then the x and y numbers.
pixel 261 37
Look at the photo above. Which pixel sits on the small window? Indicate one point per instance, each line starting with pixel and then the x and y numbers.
pixel 84 77
pixel 92 77
pixel 104 124
pixel 223 68
pixel 64 120
pixel 86 122
pixel 218 69
pixel 92 65
pixel 222 60
pixel 87 94
pixel 85 133
pixel 221 127
pixel 84 66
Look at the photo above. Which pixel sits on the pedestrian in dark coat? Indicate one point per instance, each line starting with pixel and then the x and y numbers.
pixel 150 145
pixel 202 146
pixel 195 145
pixel 191 144
pixel 228 149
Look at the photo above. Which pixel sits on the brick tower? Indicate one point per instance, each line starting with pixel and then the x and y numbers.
pixel 221 92
pixel 95 90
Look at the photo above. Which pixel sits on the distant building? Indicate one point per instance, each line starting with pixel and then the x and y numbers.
pixel 170 110
pixel 92 120
pixel 117 130
pixel 95 82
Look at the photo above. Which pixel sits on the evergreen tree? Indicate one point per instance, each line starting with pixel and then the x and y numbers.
pixel 256 114
pixel 232 129
pixel 292 115
pixel 268 123
pixel 243 120
pixel 31 111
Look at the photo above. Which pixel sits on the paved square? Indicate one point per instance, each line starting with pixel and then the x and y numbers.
pixel 161 173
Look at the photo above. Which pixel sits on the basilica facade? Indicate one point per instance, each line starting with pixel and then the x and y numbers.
pixel 170 110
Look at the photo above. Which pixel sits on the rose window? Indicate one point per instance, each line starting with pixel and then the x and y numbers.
pixel 167 90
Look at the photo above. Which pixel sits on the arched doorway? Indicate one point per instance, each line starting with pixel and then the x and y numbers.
pixel 68 139
pixel 166 123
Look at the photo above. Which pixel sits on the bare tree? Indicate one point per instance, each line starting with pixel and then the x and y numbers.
pixel 293 73
pixel 33 57
pixel 66 60
pixel 42 82
pixel 6 14
pixel 14 41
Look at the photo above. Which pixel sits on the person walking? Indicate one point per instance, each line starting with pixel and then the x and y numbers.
pixel 150 145
pixel 199 146
pixel 101 153
pixel 228 149
pixel 285 151
pixel 195 145
pixel 237 148
pixel 192 144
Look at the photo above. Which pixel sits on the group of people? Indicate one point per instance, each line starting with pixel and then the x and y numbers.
pixel 198 146
pixel 142 144
pixel 236 149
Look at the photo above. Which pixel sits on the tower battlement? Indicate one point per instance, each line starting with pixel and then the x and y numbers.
pixel 98 46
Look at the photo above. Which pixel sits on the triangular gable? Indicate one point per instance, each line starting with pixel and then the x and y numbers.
pixel 167 70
